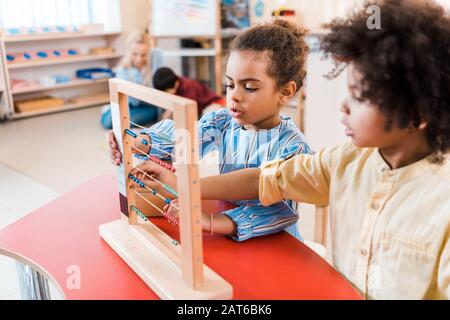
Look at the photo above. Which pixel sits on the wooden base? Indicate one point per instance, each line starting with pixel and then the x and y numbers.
pixel 156 259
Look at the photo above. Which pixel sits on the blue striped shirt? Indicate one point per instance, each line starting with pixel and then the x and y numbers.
pixel 240 148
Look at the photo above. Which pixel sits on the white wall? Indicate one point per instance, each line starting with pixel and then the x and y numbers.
pixel 310 13
pixel 321 120
pixel 323 98
pixel 135 14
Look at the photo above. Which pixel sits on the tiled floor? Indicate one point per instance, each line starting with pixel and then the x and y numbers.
pixel 59 151
pixel 43 157
pixel 20 195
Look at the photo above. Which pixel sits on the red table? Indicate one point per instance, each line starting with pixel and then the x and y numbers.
pixel 64 233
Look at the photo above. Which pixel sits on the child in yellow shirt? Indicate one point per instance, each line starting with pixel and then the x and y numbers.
pixel 388 189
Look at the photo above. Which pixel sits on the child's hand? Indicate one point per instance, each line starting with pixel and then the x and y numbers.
pixel 173 215
pixel 143 147
pixel 172 212
pixel 116 156
pixel 167 115
pixel 158 173
pixel 114 153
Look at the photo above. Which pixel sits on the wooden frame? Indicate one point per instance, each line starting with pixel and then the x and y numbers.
pixel 173 271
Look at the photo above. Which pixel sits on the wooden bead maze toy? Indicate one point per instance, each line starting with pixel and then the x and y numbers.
pixel 171 269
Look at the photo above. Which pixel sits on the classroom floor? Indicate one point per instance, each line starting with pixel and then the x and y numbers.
pixel 41 158
pixel 44 157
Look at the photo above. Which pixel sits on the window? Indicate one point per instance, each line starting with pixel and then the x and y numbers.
pixel 444 3
pixel 46 13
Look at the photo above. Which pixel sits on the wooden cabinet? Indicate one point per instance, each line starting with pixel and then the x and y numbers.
pixel 4 103
pixel 198 22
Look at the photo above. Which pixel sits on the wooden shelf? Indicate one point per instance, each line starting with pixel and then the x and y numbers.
pixel 65 66
pixel 204 36
pixel 83 58
pixel 67 107
pixel 71 84
pixel 56 36
pixel 190 53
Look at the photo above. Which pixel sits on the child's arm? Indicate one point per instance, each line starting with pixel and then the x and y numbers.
pixel 223 187
pixel 245 222
pixel 256 221
pixel 241 223
pixel 237 185
pixel 216 224
pixel 303 178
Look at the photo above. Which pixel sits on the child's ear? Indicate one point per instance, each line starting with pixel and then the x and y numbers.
pixel 423 125
pixel 287 91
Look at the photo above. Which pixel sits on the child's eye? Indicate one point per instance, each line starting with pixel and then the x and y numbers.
pixel 229 86
pixel 250 89
pixel 359 99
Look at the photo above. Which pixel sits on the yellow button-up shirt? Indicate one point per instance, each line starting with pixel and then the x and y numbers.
pixel 390 229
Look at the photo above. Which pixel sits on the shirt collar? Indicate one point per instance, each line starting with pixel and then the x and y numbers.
pixel 284 120
pixel 404 173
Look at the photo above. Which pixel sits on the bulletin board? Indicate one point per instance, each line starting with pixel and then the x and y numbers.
pixel 184 18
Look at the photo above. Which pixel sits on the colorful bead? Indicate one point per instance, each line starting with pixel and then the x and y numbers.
pixel 162 163
pixel 130 133
pixel 170 190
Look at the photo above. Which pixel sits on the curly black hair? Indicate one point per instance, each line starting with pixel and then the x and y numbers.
pixel 405 64
pixel 285 43
pixel 164 78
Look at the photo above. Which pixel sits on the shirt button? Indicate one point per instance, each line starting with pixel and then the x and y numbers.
pixel 364 252
pixel 375 206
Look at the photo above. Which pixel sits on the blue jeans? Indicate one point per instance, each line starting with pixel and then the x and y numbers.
pixel 141 114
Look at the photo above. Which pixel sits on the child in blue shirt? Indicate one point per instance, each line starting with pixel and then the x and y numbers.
pixel 265 69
